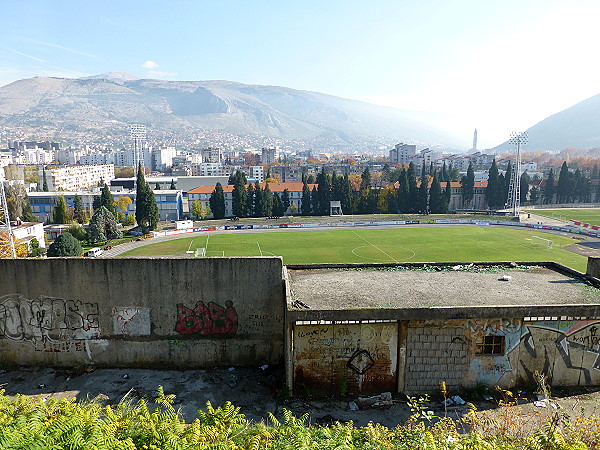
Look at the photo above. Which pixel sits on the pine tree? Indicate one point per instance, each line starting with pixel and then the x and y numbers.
pixel 258 201
pixel 106 199
pixel 103 226
pixel 217 202
pixel 595 172
pixel 64 245
pixel 250 200
pixel 444 176
pixel 448 193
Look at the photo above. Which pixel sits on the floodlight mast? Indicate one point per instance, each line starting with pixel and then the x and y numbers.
pixel 138 134
pixel 514 191
pixel 9 241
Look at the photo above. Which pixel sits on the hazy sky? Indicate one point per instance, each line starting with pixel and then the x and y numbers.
pixel 498 66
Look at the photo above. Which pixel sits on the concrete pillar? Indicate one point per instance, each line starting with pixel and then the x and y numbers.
pixel 593 267
pixel 402 350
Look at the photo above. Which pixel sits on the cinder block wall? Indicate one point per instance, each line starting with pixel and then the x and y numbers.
pixel 163 312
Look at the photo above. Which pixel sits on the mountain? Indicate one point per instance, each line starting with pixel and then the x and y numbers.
pixel 113 76
pixel 575 127
pixel 112 101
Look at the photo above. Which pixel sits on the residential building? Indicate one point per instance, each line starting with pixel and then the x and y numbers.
pixel 401 153
pixel 268 155
pixel 77 177
pixel 27 231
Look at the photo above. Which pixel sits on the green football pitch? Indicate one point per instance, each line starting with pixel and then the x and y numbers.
pixel 591 216
pixel 363 245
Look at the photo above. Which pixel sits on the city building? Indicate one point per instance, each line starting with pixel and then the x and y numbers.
pixel 27 231
pixel 268 155
pixel 77 177
pixel 401 153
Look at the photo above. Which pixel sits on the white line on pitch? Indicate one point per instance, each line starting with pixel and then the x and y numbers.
pixel 259 248
pixel 389 256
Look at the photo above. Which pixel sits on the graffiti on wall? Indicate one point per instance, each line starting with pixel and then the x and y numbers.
pixel 564 350
pixel 567 351
pixel 47 319
pixel 203 319
pixel 131 320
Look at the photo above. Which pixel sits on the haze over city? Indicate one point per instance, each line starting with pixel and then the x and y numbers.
pixel 497 67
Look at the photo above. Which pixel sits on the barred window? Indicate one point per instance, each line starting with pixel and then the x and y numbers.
pixel 491 345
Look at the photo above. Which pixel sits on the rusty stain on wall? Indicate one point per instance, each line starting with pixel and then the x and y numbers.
pixel 362 355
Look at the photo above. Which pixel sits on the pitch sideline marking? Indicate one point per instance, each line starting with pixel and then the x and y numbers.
pixel 261 253
pixel 386 254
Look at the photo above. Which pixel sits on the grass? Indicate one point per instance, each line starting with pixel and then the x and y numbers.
pixel 364 245
pixel 585 215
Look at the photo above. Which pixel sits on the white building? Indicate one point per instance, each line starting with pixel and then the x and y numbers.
pixel 27 231
pixel 401 153
pixel 77 177
pixel 162 158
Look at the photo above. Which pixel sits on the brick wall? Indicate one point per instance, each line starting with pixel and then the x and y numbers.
pixel 435 355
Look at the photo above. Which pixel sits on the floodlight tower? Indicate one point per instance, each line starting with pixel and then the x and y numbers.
pixel 138 134
pixel 6 237
pixel 514 191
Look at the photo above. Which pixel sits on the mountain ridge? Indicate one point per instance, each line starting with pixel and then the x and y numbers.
pixel 218 105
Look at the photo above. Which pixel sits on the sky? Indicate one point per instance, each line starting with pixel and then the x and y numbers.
pixel 498 66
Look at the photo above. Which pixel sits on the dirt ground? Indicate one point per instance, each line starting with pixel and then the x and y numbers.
pixel 257 392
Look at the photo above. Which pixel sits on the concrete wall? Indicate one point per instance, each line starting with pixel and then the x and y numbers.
pixel 176 312
pixel 414 356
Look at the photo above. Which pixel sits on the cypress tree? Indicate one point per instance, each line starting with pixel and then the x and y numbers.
pixel 146 210
pixel 59 214
pixel 285 200
pixel 468 186
pixel 314 201
pixel 491 192
pixel 324 192
pixel 448 193
pixel 78 210
pixel 422 200
pixel 402 193
pixel 258 201
pixel 347 195
pixel 549 188
pixel 172 187
pixel 507 181
pixel 365 179
pixel 45 182
pixel 250 200
pixel 413 195
pixel 437 199
pixel 278 208
pixel 267 201
pixel 305 207
pixel 524 186
pixel 217 202
pixel 563 187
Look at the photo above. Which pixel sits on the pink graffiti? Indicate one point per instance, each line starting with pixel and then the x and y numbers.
pixel 125 316
pixel 207 319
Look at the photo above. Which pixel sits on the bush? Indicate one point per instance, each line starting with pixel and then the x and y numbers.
pixel 65 245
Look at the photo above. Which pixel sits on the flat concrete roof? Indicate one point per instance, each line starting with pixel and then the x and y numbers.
pixel 352 289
